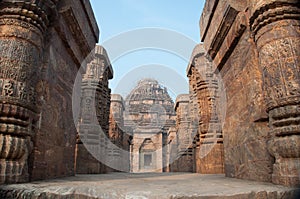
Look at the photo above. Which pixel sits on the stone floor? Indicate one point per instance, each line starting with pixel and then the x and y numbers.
pixel 140 186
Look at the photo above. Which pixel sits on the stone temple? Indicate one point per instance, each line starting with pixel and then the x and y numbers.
pixel 235 134
pixel 149 114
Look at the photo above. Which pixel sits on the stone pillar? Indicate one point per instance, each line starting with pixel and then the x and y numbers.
pixel 22 28
pixel 117 154
pixel 184 135
pixel 275 27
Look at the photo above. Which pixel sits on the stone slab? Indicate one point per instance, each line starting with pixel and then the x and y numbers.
pixel 140 186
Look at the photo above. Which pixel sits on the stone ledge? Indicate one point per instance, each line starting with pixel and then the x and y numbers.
pixel 167 185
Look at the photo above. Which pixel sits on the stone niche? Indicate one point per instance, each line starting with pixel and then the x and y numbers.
pixel 42 45
pixel 254 46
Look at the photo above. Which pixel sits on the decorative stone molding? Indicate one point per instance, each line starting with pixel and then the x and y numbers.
pixel 208 143
pixel 22 25
pixel 95 110
pixel 275 26
pixel 224 27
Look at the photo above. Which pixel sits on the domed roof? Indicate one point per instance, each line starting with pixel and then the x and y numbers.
pixel 149 89
pixel 147 100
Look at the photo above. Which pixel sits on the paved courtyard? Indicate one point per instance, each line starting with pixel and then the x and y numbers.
pixel 142 186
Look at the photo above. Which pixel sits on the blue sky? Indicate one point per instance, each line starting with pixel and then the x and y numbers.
pixel 179 19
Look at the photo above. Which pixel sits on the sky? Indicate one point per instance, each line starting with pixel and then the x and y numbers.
pixel 149 39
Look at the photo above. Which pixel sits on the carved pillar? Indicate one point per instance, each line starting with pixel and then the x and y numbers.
pixel 22 25
pixel 93 127
pixel 275 26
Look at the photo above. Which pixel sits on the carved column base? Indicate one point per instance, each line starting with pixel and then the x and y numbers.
pixel 285 145
pixel 13 162
pixel 286 171
pixel 90 149
pixel 16 130
pixel 286 150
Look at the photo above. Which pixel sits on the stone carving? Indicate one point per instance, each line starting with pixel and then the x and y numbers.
pixel 93 126
pixel 183 161
pixel 258 62
pixel 149 114
pixel 23 25
pixel 119 150
pixel 208 144
pixel 38 64
pixel 275 27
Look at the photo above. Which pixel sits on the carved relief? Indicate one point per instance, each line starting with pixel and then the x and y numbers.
pixel 22 27
pixel 94 122
pixel 276 32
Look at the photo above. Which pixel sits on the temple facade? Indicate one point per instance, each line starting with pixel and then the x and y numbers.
pixel 240 117
pixel 149 114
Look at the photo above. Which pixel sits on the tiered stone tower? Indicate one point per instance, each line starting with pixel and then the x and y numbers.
pixel 204 93
pixel 94 118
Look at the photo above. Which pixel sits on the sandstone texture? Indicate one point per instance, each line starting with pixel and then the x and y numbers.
pixel 150 186
pixel 254 47
pixel 149 114
pixel 41 43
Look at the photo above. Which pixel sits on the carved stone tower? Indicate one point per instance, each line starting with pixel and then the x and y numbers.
pixel 208 144
pixel 184 138
pixel 94 121
pixel 149 113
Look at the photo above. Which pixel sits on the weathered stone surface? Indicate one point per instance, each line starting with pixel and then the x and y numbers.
pixel 278 43
pixel 149 113
pixel 119 150
pixel 184 138
pixel 172 150
pixel 205 101
pixel 254 47
pixel 151 186
pixel 38 50
pixel 93 127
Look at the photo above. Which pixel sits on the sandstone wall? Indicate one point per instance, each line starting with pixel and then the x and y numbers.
pixel 184 159
pixel 206 90
pixel 119 151
pixel 257 63
pixel 41 51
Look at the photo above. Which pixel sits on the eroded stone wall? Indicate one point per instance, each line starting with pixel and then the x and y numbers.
pixel 40 56
pixel 119 147
pixel 184 139
pixel 254 46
